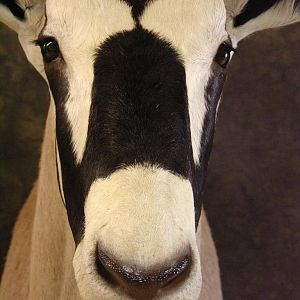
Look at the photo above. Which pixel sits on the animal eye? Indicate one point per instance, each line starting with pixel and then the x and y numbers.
pixel 50 49
pixel 224 54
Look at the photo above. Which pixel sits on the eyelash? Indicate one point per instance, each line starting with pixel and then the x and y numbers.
pixel 41 41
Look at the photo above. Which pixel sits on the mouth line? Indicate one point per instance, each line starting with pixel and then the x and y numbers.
pixel 108 266
pixel 135 284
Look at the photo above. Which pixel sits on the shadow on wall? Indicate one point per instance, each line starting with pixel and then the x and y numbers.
pixel 252 191
pixel 23 108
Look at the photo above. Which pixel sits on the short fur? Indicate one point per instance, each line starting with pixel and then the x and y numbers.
pixel 282 13
pixel 15 9
pixel 196 39
pixel 43 222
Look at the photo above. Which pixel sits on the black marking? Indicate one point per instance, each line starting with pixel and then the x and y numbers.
pixel 253 9
pixel 138 7
pixel 213 94
pixel 138 115
pixel 15 9
pixel 71 181
pixel 139 109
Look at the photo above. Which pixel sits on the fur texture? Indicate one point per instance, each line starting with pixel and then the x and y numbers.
pixel 281 13
pixel 78 52
pixel 196 38
pixel 116 206
pixel 43 231
pixel 188 37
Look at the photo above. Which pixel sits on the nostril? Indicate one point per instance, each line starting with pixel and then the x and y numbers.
pixel 141 285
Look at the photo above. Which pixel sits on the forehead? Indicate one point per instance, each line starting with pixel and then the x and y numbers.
pixel 90 22
pixel 194 28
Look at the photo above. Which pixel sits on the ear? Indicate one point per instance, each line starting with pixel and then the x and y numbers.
pixel 248 16
pixel 12 14
pixel 27 18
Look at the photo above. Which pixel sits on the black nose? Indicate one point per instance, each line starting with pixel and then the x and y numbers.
pixel 139 285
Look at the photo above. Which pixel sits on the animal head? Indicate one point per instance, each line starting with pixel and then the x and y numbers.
pixel 136 86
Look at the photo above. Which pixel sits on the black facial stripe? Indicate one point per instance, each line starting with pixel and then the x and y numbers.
pixel 253 9
pixel 71 179
pixel 15 9
pixel 72 187
pixel 139 110
pixel 213 94
pixel 138 7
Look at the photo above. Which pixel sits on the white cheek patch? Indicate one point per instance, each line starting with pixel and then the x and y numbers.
pixel 195 29
pixel 80 28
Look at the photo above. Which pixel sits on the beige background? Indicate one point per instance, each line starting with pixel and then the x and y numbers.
pixel 253 187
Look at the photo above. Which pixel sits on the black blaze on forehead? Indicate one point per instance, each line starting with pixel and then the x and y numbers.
pixel 139 110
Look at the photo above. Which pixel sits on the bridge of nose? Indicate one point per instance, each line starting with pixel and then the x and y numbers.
pixel 139 110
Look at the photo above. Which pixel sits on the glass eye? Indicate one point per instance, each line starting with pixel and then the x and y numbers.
pixel 50 49
pixel 224 54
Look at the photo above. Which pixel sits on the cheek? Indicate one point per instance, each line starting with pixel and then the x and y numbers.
pixel 197 75
pixel 58 82
pixel 215 86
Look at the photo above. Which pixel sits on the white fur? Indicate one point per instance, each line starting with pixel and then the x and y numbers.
pixel 149 212
pixel 196 29
pixel 80 27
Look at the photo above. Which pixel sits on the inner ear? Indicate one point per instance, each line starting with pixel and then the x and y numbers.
pixel 15 9
pixel 253 9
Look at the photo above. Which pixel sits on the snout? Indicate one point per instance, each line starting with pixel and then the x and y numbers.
pixel 139 240
pixel 143 284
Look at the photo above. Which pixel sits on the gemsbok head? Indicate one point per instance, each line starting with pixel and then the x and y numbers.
pixel 135 87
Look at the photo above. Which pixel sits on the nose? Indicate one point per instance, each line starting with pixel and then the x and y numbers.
pixel 141 285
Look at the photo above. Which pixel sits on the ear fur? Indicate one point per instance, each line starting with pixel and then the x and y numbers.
pixel 11 14
pixel 245 17
pixel 15 9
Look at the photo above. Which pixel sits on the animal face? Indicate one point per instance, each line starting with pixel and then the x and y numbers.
pixel 135 85
pixel 131 90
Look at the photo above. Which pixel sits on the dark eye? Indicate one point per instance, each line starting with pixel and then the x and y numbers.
pixel 50 49
pixel 224 54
